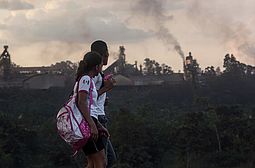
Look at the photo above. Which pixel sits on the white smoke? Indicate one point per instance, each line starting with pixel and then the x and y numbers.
pixel 224 25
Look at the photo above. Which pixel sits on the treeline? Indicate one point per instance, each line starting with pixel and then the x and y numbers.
pixel 192 133
pixel 212 137
pixel 211 125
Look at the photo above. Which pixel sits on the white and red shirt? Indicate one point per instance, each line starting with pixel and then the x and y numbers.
pixel 85 83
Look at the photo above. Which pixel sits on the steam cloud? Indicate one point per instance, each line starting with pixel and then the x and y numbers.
pixel 152 11
pixel 234 34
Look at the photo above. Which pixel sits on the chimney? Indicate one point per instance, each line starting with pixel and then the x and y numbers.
pixel 186 64
pixel 5 62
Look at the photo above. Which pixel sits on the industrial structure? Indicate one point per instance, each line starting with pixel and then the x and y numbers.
pixel 5 64
pixel 130 74
pixel 28 77
pixel 124 73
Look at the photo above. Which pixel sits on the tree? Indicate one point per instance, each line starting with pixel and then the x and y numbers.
pixel 233 67
pixel 66 67
pixel 218 71
pixel 158 69
pixel 210 72
pixel 148 69
pixel 152 67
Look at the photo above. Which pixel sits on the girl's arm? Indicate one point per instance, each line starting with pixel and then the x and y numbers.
pixel 83 106
pixel 102 129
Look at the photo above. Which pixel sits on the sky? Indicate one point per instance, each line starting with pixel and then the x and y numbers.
pixel 43 32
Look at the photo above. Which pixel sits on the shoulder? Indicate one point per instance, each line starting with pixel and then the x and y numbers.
pixel 85 80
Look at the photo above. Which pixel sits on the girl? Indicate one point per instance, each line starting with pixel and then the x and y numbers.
pixel 89 67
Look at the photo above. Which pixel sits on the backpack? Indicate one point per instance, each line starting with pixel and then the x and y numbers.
pixel 71 125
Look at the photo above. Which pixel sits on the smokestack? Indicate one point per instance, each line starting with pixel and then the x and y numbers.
pixel 186 62
pixel 184 70
pixel 5 62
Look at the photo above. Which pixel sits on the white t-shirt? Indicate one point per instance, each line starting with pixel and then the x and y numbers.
pixel 84 86
pixel 98 80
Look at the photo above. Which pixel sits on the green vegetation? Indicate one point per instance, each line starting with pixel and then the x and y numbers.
pixel 177 126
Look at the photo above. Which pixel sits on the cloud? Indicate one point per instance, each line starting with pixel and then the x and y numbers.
pixel 155 16
pixel 2 26
pixel 15 5
pixel 61 21
pixel 115 31
pixel 225 23
pixel 62 29
pixel 248 49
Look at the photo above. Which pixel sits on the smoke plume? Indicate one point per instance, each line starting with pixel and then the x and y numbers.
pixel 152 12
pixel 231 32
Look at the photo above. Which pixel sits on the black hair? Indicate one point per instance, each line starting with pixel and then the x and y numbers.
pixel 99 46
pixel 90 60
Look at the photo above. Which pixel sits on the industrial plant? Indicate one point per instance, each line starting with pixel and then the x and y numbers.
pixel 12 75
pixel 45 77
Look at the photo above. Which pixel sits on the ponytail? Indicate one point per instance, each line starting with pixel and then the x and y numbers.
pixel 81 70
pixel 90 61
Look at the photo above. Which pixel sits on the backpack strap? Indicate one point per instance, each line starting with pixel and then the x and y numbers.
pixel 90 94
pixel 77 91
pixel 90 102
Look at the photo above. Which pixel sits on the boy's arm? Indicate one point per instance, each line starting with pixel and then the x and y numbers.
pixel 108 85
